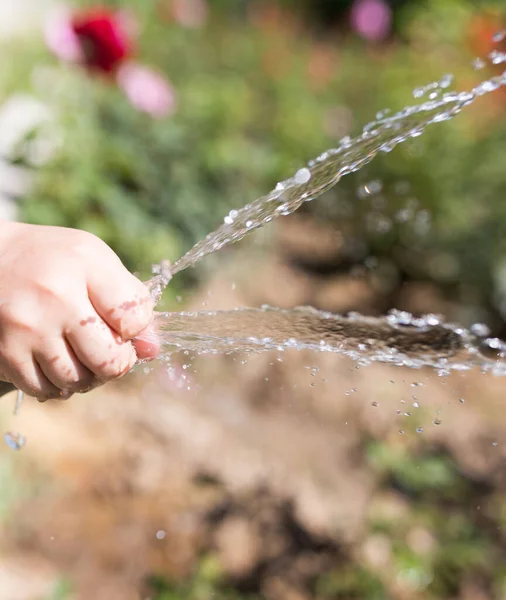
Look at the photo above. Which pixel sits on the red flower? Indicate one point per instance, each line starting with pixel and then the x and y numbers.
pixel 103 38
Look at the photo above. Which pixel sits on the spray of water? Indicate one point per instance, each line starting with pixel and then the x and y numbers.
pixel 399 338
pixel 321 174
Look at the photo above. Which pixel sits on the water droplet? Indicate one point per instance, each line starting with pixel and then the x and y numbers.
pixel 375 403
pixel 401 431
pixel 160 534
pixel 416 405
pixel 446 80
pixel 461 400
pixel 419 430
pixel 499 36
pixel 437 421
pixel 494 343
pixel 478 64
pixel 14 440
pixel 382 114
pixel 302 176
pixel 494 443
pixel 480 329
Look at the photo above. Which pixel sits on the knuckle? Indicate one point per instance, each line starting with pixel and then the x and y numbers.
pixel 50 288
pixel 15 318
pixel 85 245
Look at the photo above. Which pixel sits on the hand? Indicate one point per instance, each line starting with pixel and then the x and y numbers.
pixel 69 312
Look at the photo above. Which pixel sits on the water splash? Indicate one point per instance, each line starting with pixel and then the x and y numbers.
pixel 398 338
pixel 321 174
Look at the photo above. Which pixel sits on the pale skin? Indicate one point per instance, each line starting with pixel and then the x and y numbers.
pixel 72 317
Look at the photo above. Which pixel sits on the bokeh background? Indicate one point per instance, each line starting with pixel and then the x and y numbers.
pixel 277 477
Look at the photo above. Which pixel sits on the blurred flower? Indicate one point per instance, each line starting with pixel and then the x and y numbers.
pixel 371 19
pixel 147 90
pixel 20 116
pixel 103 38
pixel 60 37
pixel 481 33
pixel 322 65
pixel 190 13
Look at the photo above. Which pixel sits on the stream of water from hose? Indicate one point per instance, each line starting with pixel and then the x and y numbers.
pixel 398 338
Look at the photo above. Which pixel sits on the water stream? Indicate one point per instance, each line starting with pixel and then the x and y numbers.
pixel 398 338
pixel 323 173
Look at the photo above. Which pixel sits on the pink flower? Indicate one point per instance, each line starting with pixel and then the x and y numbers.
pixel 189 13
pixel 147 90
pixel 61 38
pixel 371 19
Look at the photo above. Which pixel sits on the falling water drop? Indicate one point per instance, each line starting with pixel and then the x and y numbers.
pixel 478 64
pixel 19 401
pixel 14 440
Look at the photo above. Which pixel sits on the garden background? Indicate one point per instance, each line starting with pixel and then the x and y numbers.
pixel 294 477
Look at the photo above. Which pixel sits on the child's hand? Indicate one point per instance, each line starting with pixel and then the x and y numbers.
pixel 69 311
